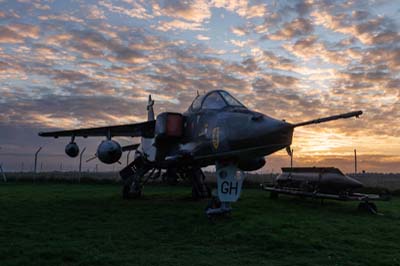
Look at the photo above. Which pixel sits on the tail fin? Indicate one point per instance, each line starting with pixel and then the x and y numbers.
pixel 150 111
pixel 146 147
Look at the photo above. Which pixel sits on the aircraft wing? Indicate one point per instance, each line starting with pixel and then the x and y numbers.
pixel 145 129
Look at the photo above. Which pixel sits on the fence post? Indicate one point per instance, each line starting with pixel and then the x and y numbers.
pixel 3 174
pixel 36 155
pixel 80 164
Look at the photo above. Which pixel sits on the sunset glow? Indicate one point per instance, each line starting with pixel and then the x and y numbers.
pixel 67 64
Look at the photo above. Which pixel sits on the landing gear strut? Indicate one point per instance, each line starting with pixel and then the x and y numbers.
pixel 132 176
pixel 369 207
pixel 131 189
pixel 200 190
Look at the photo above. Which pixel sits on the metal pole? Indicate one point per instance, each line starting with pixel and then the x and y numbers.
pixel 3 174
pixel 355 161
pixel 291 159
pixel 127 158
pixel 80 164
pixel 36 155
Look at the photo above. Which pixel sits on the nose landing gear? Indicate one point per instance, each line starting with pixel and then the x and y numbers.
pixel 229 189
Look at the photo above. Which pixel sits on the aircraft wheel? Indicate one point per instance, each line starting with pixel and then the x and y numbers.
pixel 208 190
pixel 372 208
pixel 127 192
pixel 213 203
pixel 195 194
pixel 273 195
pixel 369 207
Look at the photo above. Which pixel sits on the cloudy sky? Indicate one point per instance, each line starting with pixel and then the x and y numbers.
pixel 67 64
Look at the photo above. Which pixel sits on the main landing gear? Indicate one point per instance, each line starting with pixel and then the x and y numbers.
pixel 200 190
pixel 137 173
pixel 133 177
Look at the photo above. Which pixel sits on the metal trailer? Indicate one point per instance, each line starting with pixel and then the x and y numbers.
pixel 366 200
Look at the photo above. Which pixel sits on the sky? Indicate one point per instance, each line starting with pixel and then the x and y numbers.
pixel 72 64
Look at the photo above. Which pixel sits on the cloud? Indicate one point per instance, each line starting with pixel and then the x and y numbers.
pixel 95 13
pixel 133 10
pixel 181 15
pixel 17 33
pixel 177 25
pixel 297 27
pixel 242 8
pixel 367 29
pixel 274 61
pixel 310 47
pixel 239 31
pixel 238 43
pixel 9 36
pixel 99 63
pixel 196 11
pixel 25 30
pixel 202 37
pixel 254 11
pixel 91 43
pixel 61 17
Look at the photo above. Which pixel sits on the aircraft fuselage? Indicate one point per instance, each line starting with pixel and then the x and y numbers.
pixel 233 133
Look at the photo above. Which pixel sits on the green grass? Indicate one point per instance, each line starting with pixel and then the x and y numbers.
pixel 61 224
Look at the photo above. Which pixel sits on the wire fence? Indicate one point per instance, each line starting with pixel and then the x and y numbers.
pixel 373 180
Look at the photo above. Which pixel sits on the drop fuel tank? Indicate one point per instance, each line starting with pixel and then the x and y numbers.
pixel 321 179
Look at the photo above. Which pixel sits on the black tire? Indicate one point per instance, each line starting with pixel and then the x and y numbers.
pixel 369 207
pixel 213 203
pixel 273 195
pixel 208 191
pixel 127 194
pixel 195 193
pixel 372 207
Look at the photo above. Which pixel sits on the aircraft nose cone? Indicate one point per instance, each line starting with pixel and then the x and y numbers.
pixel 248 130
pixel 354 183
pixel 264 130
pixel 268 125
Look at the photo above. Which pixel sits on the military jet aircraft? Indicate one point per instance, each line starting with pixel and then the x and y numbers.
pixel 216 130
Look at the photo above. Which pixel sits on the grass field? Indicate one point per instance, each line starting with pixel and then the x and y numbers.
pixel 61 224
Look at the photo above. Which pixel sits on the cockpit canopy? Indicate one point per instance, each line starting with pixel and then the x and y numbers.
pixel 215 100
